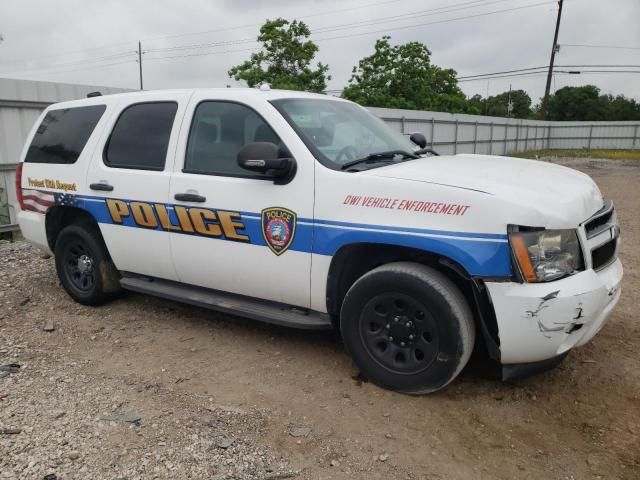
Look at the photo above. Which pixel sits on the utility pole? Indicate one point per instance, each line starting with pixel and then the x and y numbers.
pixel 554 49
pixel 509 103
pixel 486 100
pixel 140 62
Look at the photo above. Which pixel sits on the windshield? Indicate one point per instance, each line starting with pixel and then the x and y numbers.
pixel 339 132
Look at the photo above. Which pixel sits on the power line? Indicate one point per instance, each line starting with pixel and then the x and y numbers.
pixel 412 15
pixel 71 64
pixel 403 27
pixel 85 68
pixel 202 54
pixel 541 72
pixel 480 76
pixel 523 74
pixel 317 14
pixel 67 54
pixel 134 41
pixel 578 45
pixel 417 25
pixel 465 77
pixel 434 11
pixel 238 27
pixel 609 71
pixel 344 26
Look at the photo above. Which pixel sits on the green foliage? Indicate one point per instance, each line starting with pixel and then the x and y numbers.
pixel 586 103
pixel 496 106
pixel 285 59
pixel 5 218
pixel 402 76
pixel 580 153
pixel 576 103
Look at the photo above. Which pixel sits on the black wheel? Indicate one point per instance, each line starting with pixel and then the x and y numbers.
pixel 84 267
pixel 407 327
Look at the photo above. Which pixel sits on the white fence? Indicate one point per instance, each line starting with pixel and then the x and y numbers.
pixel 21 101
pixel 457 133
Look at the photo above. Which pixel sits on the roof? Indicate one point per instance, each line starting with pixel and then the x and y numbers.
pixel 239 94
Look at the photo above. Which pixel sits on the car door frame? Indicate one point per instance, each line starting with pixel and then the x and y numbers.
pixel 128 244
pixel 245 266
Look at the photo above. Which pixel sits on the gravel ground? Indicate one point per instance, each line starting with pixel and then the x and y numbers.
pixel 144 388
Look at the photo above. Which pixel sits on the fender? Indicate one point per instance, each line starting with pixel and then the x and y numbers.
pixel 480 254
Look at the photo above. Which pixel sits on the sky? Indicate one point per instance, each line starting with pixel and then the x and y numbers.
pixel 193 43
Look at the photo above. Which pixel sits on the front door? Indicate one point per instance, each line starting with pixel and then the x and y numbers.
pixel 245 234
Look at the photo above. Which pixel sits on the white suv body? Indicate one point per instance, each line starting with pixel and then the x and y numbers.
pixel 158 173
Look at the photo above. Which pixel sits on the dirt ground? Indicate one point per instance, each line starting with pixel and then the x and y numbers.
pixel 147 388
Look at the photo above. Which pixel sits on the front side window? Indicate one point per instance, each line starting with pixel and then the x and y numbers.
pixel 218 132
pixel 140 137
pixel 62 135
pixel 339 132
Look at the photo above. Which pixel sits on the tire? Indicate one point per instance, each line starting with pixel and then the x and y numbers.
pixel 84 266
pixel 407 327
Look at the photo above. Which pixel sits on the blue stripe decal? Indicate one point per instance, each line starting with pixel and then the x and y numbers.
pixel 496 236
pixel 481 254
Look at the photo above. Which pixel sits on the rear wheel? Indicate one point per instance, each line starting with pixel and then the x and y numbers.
pixel 407 327
pixel 84 267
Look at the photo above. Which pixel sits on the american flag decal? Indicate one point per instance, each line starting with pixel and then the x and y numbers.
pixel 65 199
pixel 40 200
pixel 37 200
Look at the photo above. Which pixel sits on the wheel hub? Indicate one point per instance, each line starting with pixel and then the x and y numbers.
pixel 85 264
pixel 402 331
pixel 399 333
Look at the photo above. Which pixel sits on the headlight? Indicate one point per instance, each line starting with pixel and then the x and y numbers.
pixel 546 255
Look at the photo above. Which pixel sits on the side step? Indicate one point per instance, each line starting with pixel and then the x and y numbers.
pixel 263 310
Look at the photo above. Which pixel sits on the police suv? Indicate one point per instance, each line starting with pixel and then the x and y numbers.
pixel 307 211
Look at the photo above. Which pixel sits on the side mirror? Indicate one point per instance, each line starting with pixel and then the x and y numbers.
pixel 267 158
pixel 419 139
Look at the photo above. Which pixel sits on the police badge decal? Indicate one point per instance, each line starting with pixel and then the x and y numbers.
pixel 278 228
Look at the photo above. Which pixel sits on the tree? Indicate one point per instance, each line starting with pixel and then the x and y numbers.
pixel 285 59
pixel 586 103
pixel 621 108
pixel 496 106
pixel 402 76
pixel 577 103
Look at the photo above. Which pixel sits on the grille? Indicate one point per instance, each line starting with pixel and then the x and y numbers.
pixel 604 254
pixel 600 221
pixel 602 231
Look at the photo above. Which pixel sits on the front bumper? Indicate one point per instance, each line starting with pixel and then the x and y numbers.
pixel 540 321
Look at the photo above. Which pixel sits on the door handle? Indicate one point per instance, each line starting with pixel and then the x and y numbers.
pixel 102 186
pixel 190 197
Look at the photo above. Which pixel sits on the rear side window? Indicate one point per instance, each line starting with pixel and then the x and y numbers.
pixel 140 137
pixel 62 135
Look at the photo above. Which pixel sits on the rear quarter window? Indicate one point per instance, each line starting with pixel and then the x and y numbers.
pixel 63 134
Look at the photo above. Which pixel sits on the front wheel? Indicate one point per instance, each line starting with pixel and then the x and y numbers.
pixel 407 327
pixel 84 267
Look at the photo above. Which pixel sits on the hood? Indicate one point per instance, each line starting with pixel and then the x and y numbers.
pixel 562 196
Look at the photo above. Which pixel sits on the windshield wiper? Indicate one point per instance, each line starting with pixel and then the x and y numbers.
pixel 376 157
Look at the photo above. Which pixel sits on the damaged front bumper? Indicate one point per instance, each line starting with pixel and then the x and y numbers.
pixel 542 321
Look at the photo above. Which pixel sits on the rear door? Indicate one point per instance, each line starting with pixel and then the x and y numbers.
pixel 248 235
pixel 128 182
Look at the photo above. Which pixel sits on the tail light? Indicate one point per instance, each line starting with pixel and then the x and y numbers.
pixel 19 185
